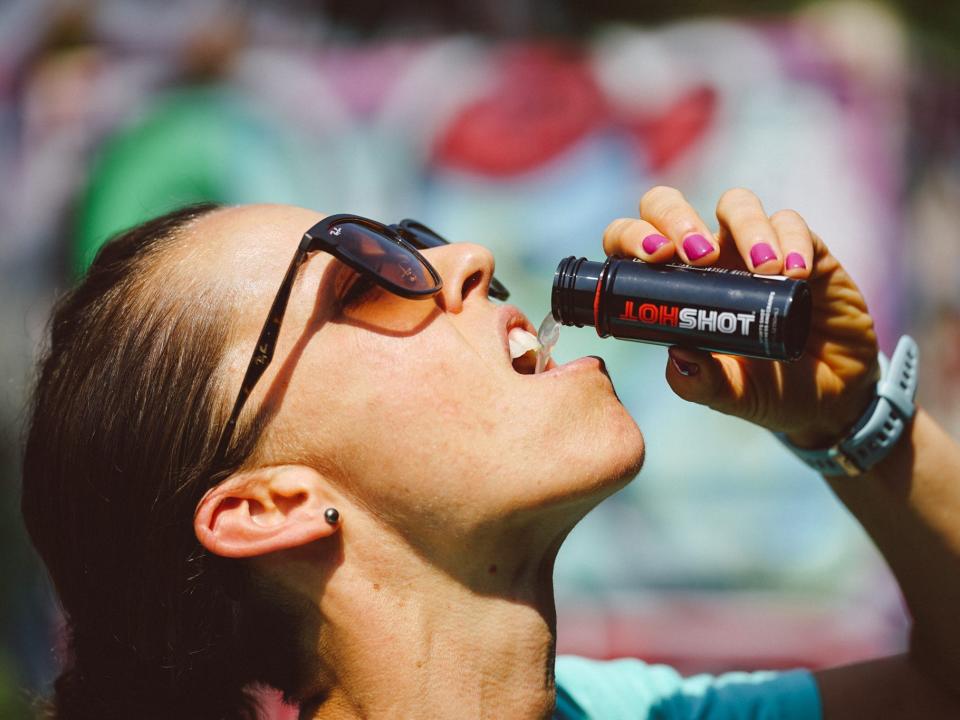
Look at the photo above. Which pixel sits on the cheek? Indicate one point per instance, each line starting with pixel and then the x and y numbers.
pixel 425 428
pixel 418 381
pixel 586 441
pixel 414 407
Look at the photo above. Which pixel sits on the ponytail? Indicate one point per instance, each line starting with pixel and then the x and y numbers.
pixel 122 433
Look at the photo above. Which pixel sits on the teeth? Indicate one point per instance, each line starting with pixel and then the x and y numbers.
pixel 522 342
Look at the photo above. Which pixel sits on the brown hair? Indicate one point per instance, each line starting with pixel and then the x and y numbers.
pixel 124 423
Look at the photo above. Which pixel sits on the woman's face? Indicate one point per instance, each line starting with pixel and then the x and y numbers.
pixel 413 405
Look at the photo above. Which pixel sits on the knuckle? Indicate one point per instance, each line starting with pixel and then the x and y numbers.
pixel 658 197
pixel 787 217
pixel 737 197
pixel 614 232
pixel 679 220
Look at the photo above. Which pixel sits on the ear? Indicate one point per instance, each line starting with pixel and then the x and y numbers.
pixel 263 511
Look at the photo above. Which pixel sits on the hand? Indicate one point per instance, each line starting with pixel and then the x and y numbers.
pixel 815 399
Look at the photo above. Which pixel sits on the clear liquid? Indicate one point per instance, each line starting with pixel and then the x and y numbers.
pixel 547 336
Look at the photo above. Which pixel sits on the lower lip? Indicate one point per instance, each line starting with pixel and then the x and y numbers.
pixel 587 363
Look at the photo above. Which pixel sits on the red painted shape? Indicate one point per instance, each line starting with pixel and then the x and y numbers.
pixel 667 136
pixel 545 100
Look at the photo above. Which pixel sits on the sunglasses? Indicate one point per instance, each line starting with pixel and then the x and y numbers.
pixel 387 254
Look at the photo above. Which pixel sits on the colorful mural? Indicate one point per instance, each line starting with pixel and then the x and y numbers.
pixel 729 554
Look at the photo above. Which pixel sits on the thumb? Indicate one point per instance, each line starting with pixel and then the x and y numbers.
pixel 706 379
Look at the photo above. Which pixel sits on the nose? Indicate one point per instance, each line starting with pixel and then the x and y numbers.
pixel 466 270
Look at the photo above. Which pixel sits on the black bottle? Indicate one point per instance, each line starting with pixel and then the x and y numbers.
pixel 709 308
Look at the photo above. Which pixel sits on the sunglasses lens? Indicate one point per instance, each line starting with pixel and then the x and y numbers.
pixel 423 237
pixel 385 257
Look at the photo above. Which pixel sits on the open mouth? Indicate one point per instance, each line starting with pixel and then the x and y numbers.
pixel 524 350
pixel 527 348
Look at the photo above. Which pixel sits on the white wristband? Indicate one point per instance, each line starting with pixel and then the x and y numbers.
pixel 880 427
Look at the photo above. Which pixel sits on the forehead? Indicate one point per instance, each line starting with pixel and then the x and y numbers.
pixel 250 244
pixel 241 254
pixel 252 229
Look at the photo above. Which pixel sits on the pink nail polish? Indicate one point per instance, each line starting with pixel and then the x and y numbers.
pixel 761 253
pixel 696 246
pixel 795 261
pixel 652 243
pixel 685 368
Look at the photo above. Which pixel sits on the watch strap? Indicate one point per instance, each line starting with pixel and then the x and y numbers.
pixel 877 431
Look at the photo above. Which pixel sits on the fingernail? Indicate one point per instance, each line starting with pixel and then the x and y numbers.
pixel 795 261
pixel 761 253
pixel 652 243
pixel 683 367
pixel 696 246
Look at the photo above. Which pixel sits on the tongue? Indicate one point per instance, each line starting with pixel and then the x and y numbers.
pixel 522 342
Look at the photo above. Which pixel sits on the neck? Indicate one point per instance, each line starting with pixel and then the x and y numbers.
pixel 403 638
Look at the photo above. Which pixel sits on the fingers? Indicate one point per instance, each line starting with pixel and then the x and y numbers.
pixel 796 242
pixel 666 209
pixel 743 219
pixel 716 381
pixel 669 227
pixel 726 383
pixel 636 238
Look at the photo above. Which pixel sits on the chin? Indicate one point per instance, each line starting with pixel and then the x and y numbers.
pixel 619 444
pixel 584 445
pixel 624 453
pixel 601 456
pixel 586 463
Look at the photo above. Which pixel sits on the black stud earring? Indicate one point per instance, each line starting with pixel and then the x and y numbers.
pixel 331 515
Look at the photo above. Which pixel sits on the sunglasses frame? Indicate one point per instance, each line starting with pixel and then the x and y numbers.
pixel 415 232
pixel 322 237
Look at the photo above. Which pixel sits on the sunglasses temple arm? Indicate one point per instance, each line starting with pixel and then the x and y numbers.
pixel 263 354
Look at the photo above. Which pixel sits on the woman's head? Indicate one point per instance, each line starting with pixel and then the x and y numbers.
pixel 405 414
pixel 412 398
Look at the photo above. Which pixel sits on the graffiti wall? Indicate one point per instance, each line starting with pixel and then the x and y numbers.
pixel 724 552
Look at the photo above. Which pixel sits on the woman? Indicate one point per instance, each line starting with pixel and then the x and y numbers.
pixel 371 526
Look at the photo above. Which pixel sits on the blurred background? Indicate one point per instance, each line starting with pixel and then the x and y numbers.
pixel 525 126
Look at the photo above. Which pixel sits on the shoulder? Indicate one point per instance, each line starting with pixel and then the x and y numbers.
pixel 629 688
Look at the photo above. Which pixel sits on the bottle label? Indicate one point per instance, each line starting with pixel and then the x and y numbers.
pixel 690 318
pixel 710 308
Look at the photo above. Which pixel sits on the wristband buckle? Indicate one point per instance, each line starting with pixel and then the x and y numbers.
pixel 846 463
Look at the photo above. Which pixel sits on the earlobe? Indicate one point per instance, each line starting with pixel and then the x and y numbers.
pixel 264 511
